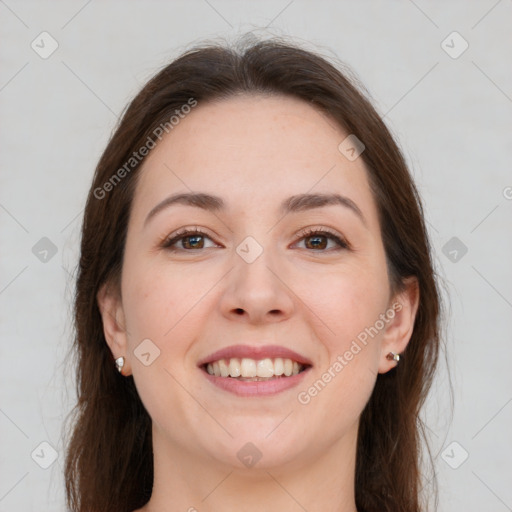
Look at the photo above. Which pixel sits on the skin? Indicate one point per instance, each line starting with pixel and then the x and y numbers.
pixel 254 151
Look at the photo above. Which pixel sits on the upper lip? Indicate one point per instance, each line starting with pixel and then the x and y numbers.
pixel 257 353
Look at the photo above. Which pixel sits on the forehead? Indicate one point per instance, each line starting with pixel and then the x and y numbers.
pixel 267 128
pixel 252 148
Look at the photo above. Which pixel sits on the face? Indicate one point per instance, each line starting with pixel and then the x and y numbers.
pixel 263 277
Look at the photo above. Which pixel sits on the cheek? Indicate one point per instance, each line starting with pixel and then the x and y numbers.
pixel 158 299
pixel 159 305
pixel 344 379
pixel 348 302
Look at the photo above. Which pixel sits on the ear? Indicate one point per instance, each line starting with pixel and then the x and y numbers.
pixel 400 327
pixel 112 314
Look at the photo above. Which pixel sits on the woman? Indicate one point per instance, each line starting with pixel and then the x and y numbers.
pixel 256 309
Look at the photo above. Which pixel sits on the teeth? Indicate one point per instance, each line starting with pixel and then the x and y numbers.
pixel 248 368
pixel 265 368
pixel 224 369
pixel 251 368
pixel 278 366
pixel 234 367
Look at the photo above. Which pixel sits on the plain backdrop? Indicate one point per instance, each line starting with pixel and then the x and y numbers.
pixel 439 72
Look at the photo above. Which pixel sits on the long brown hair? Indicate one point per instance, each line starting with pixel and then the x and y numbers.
pixel 109 459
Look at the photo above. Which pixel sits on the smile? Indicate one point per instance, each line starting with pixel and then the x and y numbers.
pixel 255 371
pixel 247 369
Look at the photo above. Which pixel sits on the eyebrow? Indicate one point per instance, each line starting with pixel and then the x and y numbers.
pixel 296 203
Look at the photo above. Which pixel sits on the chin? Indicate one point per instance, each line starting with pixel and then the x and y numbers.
pixel 255 450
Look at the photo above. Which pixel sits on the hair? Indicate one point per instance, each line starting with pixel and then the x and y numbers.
pixel 109 458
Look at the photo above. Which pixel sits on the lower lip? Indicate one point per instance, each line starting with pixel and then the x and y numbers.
pixel 256 388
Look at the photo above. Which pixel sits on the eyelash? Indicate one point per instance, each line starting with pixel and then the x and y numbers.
pixel 331 235
pixel 306 233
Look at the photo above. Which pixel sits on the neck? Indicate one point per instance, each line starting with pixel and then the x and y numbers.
pixel 186 482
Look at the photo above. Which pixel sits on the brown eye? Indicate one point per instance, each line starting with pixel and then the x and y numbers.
pixel 318 240
pixel 187 240
pixel 192 242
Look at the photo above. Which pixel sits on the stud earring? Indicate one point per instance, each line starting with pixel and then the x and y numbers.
pixel 392 356
pixel 120 364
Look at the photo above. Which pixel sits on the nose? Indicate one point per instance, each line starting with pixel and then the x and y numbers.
pixel 257 292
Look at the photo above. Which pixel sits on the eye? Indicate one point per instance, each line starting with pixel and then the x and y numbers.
pixel 188 239
pixel 318 239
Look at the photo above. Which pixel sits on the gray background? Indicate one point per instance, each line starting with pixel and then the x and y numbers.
pixel 452 118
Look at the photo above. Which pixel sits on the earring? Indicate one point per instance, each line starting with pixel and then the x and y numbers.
pixel 392 356
pixel 120 364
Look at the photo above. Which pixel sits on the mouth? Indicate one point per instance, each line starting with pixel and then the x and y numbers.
pixel 254 370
